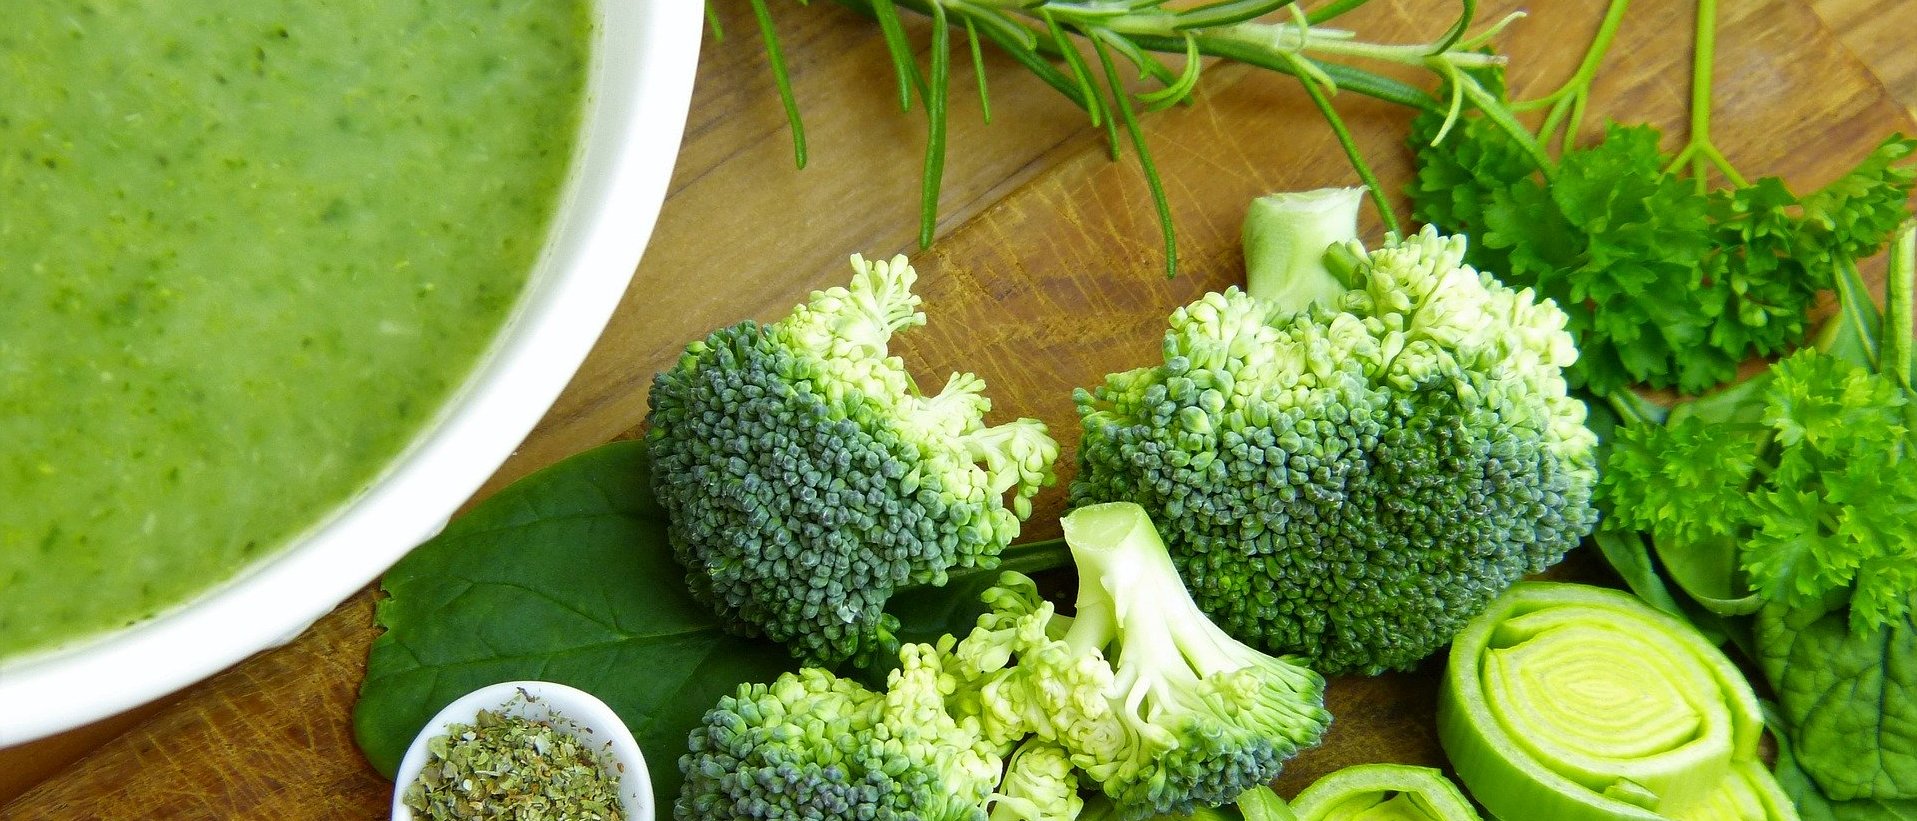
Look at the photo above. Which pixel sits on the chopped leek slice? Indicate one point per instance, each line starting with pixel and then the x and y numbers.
pixel 1383 792
pixel 1571 702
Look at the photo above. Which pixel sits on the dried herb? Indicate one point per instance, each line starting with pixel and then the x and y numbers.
pixel 505 766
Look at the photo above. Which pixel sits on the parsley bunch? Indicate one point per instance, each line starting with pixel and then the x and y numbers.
pixel 1815 496
pixel 1669 282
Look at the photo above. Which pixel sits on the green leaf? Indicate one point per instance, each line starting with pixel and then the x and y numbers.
pixel 564 576
pixel 1684 482
pixel 1849 698
pixel 1813 805
pixel 1854 215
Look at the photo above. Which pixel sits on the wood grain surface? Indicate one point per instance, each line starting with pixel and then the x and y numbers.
pixel 1045 277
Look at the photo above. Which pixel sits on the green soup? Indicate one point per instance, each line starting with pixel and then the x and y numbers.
pixel 247 251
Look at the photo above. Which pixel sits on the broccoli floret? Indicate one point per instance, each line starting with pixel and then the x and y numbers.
pixel 1160 709
pixel 805 478
pixel 1355 456
pixel 1137 696
pixel 1207 716
pixel 811 745
pixel 1040 785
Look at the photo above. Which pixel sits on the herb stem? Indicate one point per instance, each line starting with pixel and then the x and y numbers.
pixel 1123 103
pixel 1897 306
pixel 1050 38
pixel 1571 98
pixel 1352 152
pixel 1501 117
pixel 935 105
pixel 1700 153
pixel 782 79
pixel 1333 9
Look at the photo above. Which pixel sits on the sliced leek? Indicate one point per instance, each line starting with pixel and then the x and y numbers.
pixel 1570 702
pixel 1383 792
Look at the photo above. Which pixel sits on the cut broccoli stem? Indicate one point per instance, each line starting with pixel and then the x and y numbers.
pixel 1168 647
pixel 1285 239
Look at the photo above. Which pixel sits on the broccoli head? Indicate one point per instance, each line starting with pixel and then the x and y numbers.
pixel 811 745
pixel 805 478
pixel 1357 454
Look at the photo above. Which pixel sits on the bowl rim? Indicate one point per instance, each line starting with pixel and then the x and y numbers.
pixel 580 709
pixel 638 95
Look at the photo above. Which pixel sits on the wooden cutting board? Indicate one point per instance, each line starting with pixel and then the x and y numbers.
pixel 1045 277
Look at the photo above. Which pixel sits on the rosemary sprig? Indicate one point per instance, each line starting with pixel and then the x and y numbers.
pixel 1078 46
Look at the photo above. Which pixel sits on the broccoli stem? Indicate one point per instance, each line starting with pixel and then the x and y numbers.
pixel 1034 557
pixel 1118 549
pixel 1286 239
pixel 1027 558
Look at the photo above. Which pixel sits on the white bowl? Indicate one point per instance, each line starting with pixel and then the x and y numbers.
pixel 570 709
pixel 637 93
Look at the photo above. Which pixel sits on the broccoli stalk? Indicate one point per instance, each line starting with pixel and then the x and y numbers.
pixel 1359 453
pixel 806 478
pixel 1286 236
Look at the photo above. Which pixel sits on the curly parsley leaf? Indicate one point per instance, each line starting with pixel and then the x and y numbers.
pixel 1855 214
pixel 1833 517
pixel 1683 482
pixel 1666 285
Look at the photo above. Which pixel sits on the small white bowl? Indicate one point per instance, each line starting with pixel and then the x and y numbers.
pixel 568 708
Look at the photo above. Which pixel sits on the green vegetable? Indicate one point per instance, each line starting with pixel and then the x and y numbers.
pixel 1383 792
pixel 1137 695
pixel 806 478
pixel 1349 462
pixel 1570 702
pixel 1040 785
pixel 1848 695
pixel 1099 809
pixel 1261 804
pixel 1077 47
pixel 1813 499
pixel 564 576
pixel 1199 718
pixel 1667 283
pixel 1813 805
pixel 1256 804
pixel 813 745
pixel 1790 497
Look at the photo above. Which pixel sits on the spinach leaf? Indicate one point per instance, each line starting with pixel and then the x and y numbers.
pixel 1849 697
pixel 566 576
pixel 1813 805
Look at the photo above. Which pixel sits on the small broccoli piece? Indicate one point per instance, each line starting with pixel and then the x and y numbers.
pixel 1159 708
pixel 1020 677
pixel 1354 457
pixel 806 479
pixel 1205 716
pixel 1040 785
pixel 811 745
